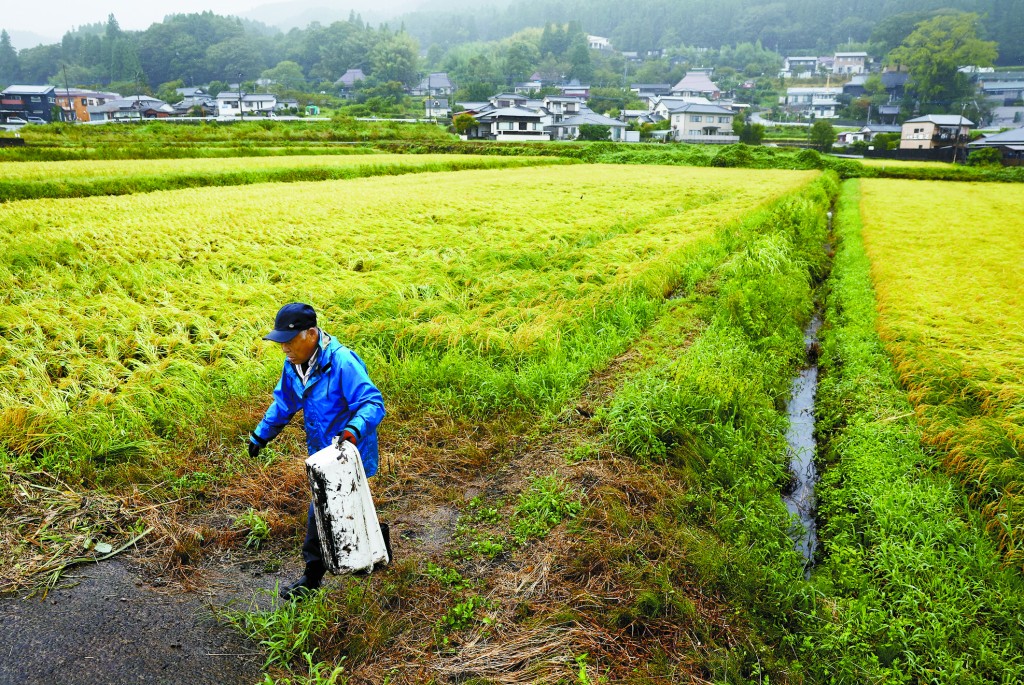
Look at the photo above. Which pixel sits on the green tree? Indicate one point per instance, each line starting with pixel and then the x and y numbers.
pixel 287 74
pixel 463 122
pixel 822 135
pixel 395 59
pixel 594 132
pixel 934 52
pixel 986 156
pixel 9 72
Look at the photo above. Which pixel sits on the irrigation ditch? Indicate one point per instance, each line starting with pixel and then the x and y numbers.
pixel 800 438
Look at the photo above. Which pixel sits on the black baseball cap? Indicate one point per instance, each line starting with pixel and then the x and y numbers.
pixel 292 319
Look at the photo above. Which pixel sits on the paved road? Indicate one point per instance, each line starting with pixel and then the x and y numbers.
pixel 111 629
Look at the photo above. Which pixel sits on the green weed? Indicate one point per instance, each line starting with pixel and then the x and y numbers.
pixel 259 531
pixel 542 506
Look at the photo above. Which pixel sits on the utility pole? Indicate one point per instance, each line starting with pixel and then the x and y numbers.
pixel 241 109
pixel 67 93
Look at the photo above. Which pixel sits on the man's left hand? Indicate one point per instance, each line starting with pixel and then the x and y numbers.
pixel 347 436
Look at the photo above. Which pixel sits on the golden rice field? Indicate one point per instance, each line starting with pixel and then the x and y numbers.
pixel 948 266
pixel 92 170
pixel 120 309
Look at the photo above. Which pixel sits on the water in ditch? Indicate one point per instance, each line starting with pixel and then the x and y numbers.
pixel 801 447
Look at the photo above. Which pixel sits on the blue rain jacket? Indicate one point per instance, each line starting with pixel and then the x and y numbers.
pixel 339 395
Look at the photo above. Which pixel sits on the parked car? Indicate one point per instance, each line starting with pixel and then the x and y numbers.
pixel 16 121
pixel 37 120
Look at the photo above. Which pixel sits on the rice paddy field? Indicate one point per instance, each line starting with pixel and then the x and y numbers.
pixel 127 318
pixel 948 266
pixel 586 369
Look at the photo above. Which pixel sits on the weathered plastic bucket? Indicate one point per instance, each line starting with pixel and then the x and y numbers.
pixel 350 537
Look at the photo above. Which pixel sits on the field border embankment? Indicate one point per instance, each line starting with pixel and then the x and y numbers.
pixel 12 190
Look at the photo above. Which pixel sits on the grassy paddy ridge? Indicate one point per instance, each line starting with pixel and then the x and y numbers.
pixel 35 180
pixel 948 266
pixel 457 296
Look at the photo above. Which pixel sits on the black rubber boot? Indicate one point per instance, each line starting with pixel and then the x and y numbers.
pixel 385 530
pixel 301 587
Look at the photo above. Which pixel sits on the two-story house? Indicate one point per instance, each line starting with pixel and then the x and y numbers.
pixel 799 67
pixel 817 102
pixel 435 85
pixel 850 63
pixel 934 131
pixel 700 123
pixel 75 102
pixel 23 102
pixel 696 84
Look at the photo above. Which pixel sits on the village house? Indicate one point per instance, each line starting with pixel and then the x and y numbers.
pixel 866 134
pixel 934 131
pixel 569 128
pixel 849 63
pixel 599 43
pixel 703 123
pixel 134 108
pixel 435 85
pixel 28 103
pixel 76 102
pixel 346 84
pixel 436 108
pixel 799 67
pixel 228 104
pixel 696 84
pixel 814 102
pixel 1009 143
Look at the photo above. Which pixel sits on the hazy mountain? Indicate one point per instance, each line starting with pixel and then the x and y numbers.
pixel 26 39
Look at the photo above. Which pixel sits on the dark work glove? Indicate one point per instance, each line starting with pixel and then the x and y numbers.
pixel 255 445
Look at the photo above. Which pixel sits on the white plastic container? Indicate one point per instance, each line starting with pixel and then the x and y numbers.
pixel 346 520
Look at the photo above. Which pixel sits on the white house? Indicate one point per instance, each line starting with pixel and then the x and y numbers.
pixel 569 128
pixel 817 102
pixel 700 123
pixel 251 103
pixel 598 43
pixel 437 108
pixel 799 67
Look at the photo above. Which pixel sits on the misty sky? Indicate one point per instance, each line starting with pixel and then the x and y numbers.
pixel 28 21
pixel 55 17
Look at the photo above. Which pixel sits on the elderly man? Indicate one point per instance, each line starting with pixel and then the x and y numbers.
pixel 329 383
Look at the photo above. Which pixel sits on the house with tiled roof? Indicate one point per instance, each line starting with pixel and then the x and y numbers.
pixel 1009 143
pixel 934 131
pixel 696 84
pixel 702 123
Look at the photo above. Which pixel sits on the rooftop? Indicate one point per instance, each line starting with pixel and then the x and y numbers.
pixel 941 120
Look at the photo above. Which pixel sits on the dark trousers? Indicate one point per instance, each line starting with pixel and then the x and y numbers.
pixel 311 553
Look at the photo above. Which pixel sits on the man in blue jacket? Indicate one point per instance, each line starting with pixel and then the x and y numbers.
pixel 329 383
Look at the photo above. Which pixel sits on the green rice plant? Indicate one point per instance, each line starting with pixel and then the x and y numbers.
pixel 120 336
pixel 949 292
pixel 912 590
